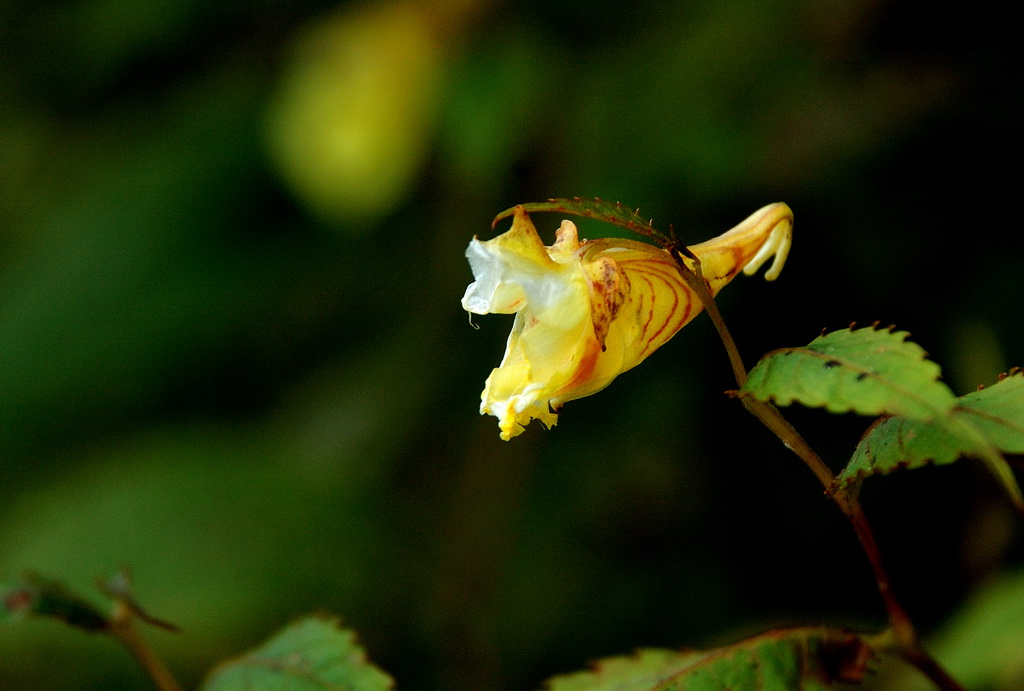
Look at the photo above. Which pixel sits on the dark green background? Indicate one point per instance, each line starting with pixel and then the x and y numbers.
pixel 267 409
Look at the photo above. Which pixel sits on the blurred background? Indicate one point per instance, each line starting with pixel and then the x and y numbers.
pixel 232 354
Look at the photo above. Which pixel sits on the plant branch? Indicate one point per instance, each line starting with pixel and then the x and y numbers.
pixel 121 626
pixel 767 413
pixel 902 627
pixel 906 642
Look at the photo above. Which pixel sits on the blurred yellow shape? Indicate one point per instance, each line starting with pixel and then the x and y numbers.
pixel 355 110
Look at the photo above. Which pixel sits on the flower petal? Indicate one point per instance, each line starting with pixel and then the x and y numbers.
pixel 609 289
pixel 587 312
pixel 502 265
pixel 766 232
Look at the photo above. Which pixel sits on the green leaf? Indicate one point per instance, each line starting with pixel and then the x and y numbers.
pixel 599 209
pixel 313 654
pixel 998 412
pixel 640 672
pixel 983 424
pixel 867 371
pixel 893 443
pixel 807 658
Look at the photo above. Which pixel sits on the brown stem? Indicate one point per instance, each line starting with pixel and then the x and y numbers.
pixel 771 418
pixel 121 627
pixel 903 629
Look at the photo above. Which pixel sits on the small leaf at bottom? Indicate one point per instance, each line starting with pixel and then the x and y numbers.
pixel 811 659
pixel 313 654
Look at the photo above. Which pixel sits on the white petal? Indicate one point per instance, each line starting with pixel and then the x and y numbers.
pixel 491 292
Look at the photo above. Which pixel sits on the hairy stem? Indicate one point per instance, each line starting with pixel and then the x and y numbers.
pixel 905 636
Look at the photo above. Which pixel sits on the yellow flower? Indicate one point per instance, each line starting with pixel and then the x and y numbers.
pixel 588 311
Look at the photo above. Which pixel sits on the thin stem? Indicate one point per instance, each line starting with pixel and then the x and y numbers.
pixel 905 636
pixel 772 418
pixel 695 278
pixel 121 627
pixel 902 627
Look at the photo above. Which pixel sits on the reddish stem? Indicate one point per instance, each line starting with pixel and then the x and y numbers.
pixel 906 641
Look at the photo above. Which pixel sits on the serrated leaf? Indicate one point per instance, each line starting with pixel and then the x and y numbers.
pixel 639 672
pixel 867 371
pixel 313 654
pixel 810 659
pixel 998 411
pixel 599 209
pixel 897 443
pixel 983 424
